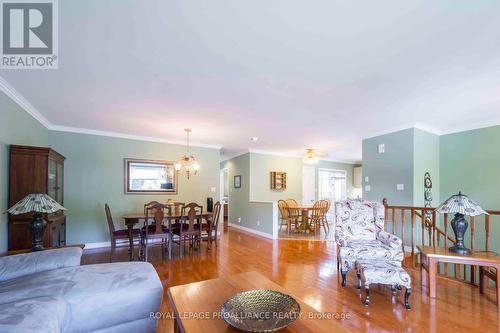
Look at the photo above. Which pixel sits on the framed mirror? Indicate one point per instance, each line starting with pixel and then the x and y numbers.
pixel 150 177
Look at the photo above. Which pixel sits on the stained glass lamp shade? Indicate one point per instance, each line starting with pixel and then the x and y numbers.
pixel 460 205
pixel 37 203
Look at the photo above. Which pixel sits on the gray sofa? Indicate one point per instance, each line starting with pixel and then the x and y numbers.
pixel 49 292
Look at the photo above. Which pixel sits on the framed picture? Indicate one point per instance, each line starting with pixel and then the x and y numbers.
pixel 237 181
pixel 150 177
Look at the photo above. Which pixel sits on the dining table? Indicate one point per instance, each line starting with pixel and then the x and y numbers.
pixel 175 214
pixel 304 214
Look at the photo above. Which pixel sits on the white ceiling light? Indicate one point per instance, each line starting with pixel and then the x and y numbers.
pixel 187 162
pixel 254 138
pixel 311 157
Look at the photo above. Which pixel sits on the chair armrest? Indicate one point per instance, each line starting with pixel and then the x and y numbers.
pixel 12 267
pixel 389 239
pixel 341 236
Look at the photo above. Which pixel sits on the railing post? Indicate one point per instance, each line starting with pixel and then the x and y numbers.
pixel 386 213
pixel 413 236
pixel 403 230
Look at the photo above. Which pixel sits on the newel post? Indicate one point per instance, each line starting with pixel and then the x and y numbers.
pixel 386 212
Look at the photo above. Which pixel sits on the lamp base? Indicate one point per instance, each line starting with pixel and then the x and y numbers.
pixel 462 250
pixel 37 227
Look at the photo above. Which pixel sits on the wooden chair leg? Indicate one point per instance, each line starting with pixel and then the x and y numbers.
pixel 407 298
pixel 113 248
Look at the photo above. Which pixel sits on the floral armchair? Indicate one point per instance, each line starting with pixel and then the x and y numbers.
pixel 360 235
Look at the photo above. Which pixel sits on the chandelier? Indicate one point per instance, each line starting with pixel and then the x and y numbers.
pixel 187 163
pixel 311 157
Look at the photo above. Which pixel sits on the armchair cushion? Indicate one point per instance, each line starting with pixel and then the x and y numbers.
pixel 389 239
pixel 370 251
pixel 19 265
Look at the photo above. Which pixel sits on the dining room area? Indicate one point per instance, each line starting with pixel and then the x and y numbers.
pixel 305 221
pixel 161 228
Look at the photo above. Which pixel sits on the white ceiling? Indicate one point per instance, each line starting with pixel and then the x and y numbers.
pixel 297 74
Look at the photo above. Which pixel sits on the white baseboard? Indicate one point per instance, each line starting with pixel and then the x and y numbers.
pixel 252 231
pixel 119 243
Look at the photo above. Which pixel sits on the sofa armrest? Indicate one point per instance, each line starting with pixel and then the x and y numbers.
pixel 389 239
pixel 15 266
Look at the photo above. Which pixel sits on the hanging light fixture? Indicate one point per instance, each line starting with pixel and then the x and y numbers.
pixel 187 163
pixel 311 157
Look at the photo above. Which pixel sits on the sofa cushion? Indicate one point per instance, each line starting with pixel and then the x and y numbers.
pixel 34 315
pixel 98 296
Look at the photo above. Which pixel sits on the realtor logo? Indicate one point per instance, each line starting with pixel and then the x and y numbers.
pixel 29 34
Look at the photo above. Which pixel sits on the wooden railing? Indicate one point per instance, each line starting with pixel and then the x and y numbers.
pixel 433 233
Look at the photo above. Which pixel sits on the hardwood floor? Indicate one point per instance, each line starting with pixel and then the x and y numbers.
pixel 308 269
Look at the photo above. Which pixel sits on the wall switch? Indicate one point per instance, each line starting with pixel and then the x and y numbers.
pixel 368 188
pixel 239 219
pixel 367 179
pixel 258 223
pixel 213 189
pixel 400 187
pixel 381 148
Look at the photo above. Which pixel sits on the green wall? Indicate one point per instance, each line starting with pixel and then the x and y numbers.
pixel 94 175
pixel 393 167
pixel 255 202
pixel 262 164
pixel 409 154
pixel 425 159
pixel 16 127
pixel 470 162
pixel 246 213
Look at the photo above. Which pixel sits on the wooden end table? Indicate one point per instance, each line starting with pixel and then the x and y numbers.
pixel 431 256
pixel 206 297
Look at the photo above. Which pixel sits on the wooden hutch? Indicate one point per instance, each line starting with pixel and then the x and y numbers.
pixel 36 169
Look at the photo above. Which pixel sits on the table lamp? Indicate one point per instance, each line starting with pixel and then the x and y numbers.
pixel 37 203
pixel 461 205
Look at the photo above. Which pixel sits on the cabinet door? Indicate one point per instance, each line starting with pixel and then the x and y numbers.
pixel 52 179
pixel 60 183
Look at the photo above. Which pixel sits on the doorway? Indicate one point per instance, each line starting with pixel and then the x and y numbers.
pixel 308 185
pixel 332 186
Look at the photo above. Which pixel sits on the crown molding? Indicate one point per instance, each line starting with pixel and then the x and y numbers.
pixel 475 126
pixel 231 156
pixel 19 99
pixel 78 130
pixel 282 154
pixel 417 125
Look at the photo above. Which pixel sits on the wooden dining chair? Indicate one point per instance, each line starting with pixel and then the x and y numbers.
pixel 153 228
pixel 209 228
pixel 117 234
pixel 292 203
pixel 327 206
pixel 317 217
pixel 290 215
pixel 190 228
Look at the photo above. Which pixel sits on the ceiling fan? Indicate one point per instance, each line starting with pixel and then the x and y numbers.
pixel 312 156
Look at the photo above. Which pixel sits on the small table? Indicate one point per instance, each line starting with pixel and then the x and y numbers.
pixel 132 219
pixel 205 298
pixel 431 256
